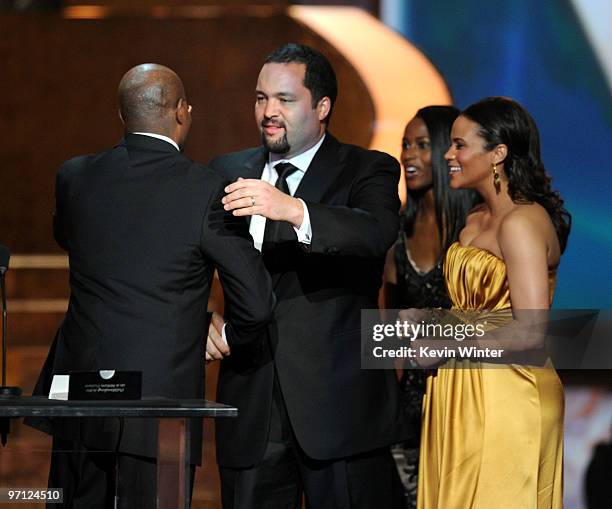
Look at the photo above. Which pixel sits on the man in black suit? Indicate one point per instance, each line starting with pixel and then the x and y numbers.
pixel 144 229
pixel 324 214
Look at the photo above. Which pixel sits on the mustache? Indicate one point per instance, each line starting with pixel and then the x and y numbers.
pixel 272 123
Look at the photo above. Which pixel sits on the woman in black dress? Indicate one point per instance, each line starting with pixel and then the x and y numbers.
pixel 432 220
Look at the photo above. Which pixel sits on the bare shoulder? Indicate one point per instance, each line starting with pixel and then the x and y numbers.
pixel 529 226
pixel 527 218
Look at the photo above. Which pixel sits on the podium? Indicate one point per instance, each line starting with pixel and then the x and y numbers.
pixel 173 435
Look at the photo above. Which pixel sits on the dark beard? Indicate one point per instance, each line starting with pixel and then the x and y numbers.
pixel 278 147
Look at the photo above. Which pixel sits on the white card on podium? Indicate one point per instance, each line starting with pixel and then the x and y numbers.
pixel 59 387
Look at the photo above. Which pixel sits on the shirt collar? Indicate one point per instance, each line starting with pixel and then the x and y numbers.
pixel 161 137
pixel 301 161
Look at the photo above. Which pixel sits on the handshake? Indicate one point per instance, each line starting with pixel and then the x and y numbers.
pixel 216 344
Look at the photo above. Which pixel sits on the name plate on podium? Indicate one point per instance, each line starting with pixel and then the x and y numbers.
pixel 105 385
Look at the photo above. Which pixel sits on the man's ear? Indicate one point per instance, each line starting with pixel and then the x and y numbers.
pixel 182 111
pixel 323 108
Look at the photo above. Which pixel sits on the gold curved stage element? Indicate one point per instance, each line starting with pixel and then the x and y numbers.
pixel 399 78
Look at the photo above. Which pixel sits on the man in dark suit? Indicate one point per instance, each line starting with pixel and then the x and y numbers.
pixel 324 214
pixel 144 229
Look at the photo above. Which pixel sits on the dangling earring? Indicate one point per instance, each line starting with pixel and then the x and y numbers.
pixel 496 176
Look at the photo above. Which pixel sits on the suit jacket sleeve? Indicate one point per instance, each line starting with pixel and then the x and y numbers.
pixel 246 284
pixel 367 226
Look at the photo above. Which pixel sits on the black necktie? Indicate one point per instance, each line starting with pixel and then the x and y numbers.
pixel 283 171
pixel 273 230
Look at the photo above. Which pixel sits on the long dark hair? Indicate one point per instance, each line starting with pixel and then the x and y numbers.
pixel 505 121
pixel 451 205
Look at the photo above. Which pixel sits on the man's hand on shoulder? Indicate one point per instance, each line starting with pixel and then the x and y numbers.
pixel 216 346
pixel 249 197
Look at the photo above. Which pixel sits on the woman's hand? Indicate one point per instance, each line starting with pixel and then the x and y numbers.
pixel 415 316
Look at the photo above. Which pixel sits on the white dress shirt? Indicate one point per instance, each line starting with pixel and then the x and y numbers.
pixel 301 162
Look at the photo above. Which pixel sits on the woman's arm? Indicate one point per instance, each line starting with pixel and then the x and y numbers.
pixel 522 241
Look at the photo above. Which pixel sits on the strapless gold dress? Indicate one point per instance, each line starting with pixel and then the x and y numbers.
pixel 492 438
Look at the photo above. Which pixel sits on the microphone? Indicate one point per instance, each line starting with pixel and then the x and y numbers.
pixel 5 256
pixel 5 392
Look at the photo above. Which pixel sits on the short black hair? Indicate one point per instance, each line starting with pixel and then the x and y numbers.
pixel 319 76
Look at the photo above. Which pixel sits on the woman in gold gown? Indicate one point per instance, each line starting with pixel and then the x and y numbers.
pixel 493 438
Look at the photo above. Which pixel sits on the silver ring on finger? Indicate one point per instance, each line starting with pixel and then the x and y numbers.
pixel 252 201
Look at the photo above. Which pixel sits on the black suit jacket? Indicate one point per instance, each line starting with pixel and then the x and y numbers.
pixel 336 408
pixel 144 229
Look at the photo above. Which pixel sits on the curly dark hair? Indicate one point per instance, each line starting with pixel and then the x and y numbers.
pixel 505 121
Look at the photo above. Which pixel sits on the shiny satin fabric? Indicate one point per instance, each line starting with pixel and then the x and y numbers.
pixel 491 437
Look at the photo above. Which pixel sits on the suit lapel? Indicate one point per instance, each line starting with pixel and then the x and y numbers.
pixel 323 171
pixel 254 165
